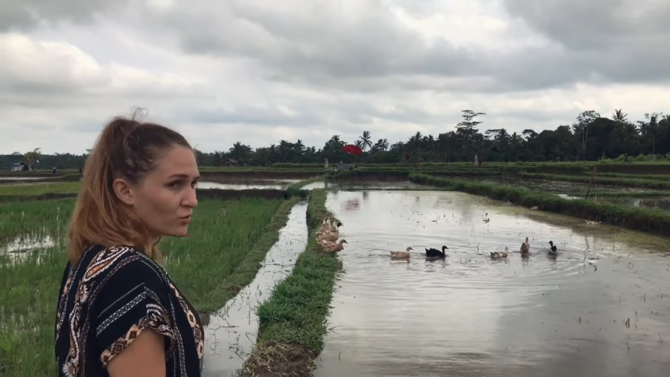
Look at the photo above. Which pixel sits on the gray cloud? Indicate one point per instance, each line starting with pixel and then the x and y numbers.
pixel 597 24
pixel 595 41
pixel 251 71
pixel 315 42
pixel 23 15
pixel 370 49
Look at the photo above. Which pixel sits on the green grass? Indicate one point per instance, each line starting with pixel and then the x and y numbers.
pixel 225 249
pixel 39 189
pixel 228 241
pixel 298 309
pixel 26 218
pixel 648 220
pixel 662 177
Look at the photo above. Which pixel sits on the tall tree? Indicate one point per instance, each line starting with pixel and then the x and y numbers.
pixel 32 157
pixel 619 116
pixel 365 140
pixel 582 127
pixel 649 129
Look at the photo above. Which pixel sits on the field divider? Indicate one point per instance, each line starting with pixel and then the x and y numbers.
pixel 245 271
pixel 647 220
pixel 657 184
pixel 293 322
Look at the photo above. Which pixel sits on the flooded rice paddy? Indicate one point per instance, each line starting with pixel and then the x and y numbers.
pixel 559 187
pixel 269 184
pixel 20 178
pixel 657 202
pixel 601 307
pixel 231 333
pixel 21 248
pixel 365 185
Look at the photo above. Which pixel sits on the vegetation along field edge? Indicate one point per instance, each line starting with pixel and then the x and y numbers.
pixel 293 322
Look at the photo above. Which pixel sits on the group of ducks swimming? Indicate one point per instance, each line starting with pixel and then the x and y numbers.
pixel 432 253
pixel 329 233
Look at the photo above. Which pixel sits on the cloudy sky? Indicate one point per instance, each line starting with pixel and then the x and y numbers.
pixel 254 71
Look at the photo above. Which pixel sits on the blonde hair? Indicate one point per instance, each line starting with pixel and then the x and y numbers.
pixel 126 149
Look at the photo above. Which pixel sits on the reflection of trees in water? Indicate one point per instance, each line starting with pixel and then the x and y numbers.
pixel 465 204
pixel 351 205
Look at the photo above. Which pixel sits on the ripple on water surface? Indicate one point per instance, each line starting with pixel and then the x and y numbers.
pixel 599 308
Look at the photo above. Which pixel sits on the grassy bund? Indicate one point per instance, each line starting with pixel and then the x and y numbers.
pixel 293 322
pixel 229 240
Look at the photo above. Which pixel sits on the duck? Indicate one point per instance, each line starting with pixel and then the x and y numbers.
pixel 330 225
pixel 525 247
pixel 330 237
pixel 434 253
pixel 400 254
pixel 333 247
pixel 553 249
pixel 329 232
pixel 499 254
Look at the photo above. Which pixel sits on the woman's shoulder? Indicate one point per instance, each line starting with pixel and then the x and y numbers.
pixel 124 262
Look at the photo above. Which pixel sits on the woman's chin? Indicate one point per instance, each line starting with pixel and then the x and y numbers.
pixel 181 231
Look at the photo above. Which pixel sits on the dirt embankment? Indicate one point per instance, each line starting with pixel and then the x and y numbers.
pixel 276 359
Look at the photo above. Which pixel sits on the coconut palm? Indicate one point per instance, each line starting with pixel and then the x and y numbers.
pixel 619 116
pixel 365 140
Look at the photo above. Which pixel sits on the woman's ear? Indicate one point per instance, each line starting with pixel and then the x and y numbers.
pixel 123 191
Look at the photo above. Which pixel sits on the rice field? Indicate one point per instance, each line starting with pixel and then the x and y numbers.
pixel 228 240
pixel 34 189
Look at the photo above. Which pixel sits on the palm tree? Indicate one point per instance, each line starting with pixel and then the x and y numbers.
pixel 31 157
pixel 619 116
pixel 365 140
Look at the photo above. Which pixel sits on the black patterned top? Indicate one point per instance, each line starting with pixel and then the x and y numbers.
pixel 108 299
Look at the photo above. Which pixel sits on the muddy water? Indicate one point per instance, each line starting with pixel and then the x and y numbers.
pixel 20 178
pixel 19 249
pixel 599 308
pixel 656 202
pixel 231 333
pixel 353 185
pixel 559 187
pixel 270 184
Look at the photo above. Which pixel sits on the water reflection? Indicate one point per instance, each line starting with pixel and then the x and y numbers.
pixel 269 184
pixel 364 185
pixel 22 247
pixel 655 202
pixel 558 187
pixel 600 307
pixel 20 178
pixel 231 333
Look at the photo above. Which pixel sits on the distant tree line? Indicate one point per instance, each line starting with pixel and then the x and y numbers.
pixel 590 137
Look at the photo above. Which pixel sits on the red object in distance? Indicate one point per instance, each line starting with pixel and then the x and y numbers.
pixel 352 149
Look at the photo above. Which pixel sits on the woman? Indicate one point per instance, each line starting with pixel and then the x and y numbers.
pixel 119 314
